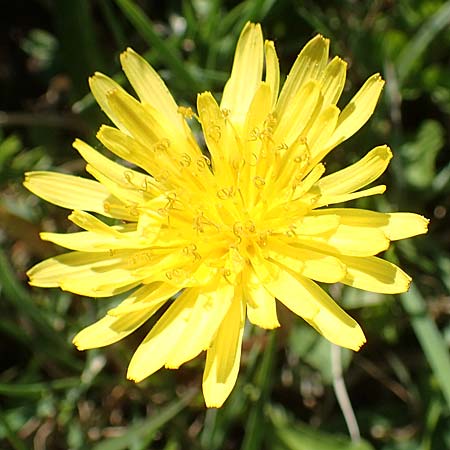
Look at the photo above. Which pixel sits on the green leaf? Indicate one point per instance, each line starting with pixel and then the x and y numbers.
pixel 430 338
pixel 168 54
pixel 17 296
pixel 290 435
pixel 78 41
pixel 311 348
pixel 420 155
pixel 416 46
pixel 8 148
pixel 143 430
pixel 255 429
pixel 28 390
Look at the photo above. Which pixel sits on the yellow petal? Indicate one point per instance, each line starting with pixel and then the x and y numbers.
pixel 167 147
pixel 83 241
pixel 352 240
pixel 149 86
pixel 298 115
pixel 308 66
pixel 322 128
pixel 261 305
pixel 357 175
pixel 99 238
pixel 272 70
pixel 258 110
pixel 223 357
pixel 394 225
pixel 309 181
pixel 153 295
pixel 200 276
pixel 405 225
pixel 144 123
pixel 253 133
pixel 114 283
pixel 317 223
pixel 323 313
pixel 154 350
pixel 326 200
pixel 91 274
pixel 128 195
pixel 122 176
pixel 357 111
pixel 333 80
pixel 292 294
pixel 219 137
pixel 246 74
pixel 206 316
pixel 307 262
pixel 72 192
pixel 111 329
pixel 101 86
pixel 90 223
pixel 375 275
pixel 129 149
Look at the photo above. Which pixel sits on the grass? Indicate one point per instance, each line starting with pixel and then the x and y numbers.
pixel 54 397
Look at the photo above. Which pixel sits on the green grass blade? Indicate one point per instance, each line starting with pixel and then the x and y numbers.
pixel 37 389
pixel 11 437
pixel 145 28
pixel 255 426
pixel 18 297
pixel 236 18
pixel 431 340
pixel 113 23
pixel 77 34
pixel 258 10
pixel 143 430
pixel 287 434
pixel 422 39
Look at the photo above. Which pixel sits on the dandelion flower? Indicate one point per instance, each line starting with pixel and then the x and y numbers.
pixel 219 235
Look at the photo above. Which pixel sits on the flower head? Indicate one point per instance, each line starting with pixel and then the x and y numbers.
pixel 222 234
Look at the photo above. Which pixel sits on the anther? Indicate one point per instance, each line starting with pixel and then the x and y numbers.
pixel 186 112
pixel 238 229
pixel 224 193
pixel 162 146
pixel 225 113
pixel 259 182
pixel 128 174
pixel 214 132
pixel 185 160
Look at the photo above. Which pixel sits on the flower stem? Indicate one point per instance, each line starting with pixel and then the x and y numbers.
pixel 342 395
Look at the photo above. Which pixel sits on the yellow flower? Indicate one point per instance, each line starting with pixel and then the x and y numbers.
pixel 226 231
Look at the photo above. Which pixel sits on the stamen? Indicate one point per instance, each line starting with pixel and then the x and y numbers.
pixel 133 209
pixel 225 193
pixel 201 221
pixel 128 175
pixel 225 113
pixel 162 146
pixel 259 182
pixel 107 207
pixel 187 112
pixel 191 250
pixel 238 229
pixel 214 132
pixel 185 160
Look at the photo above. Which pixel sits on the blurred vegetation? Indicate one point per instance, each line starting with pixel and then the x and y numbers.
pixel 53 397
